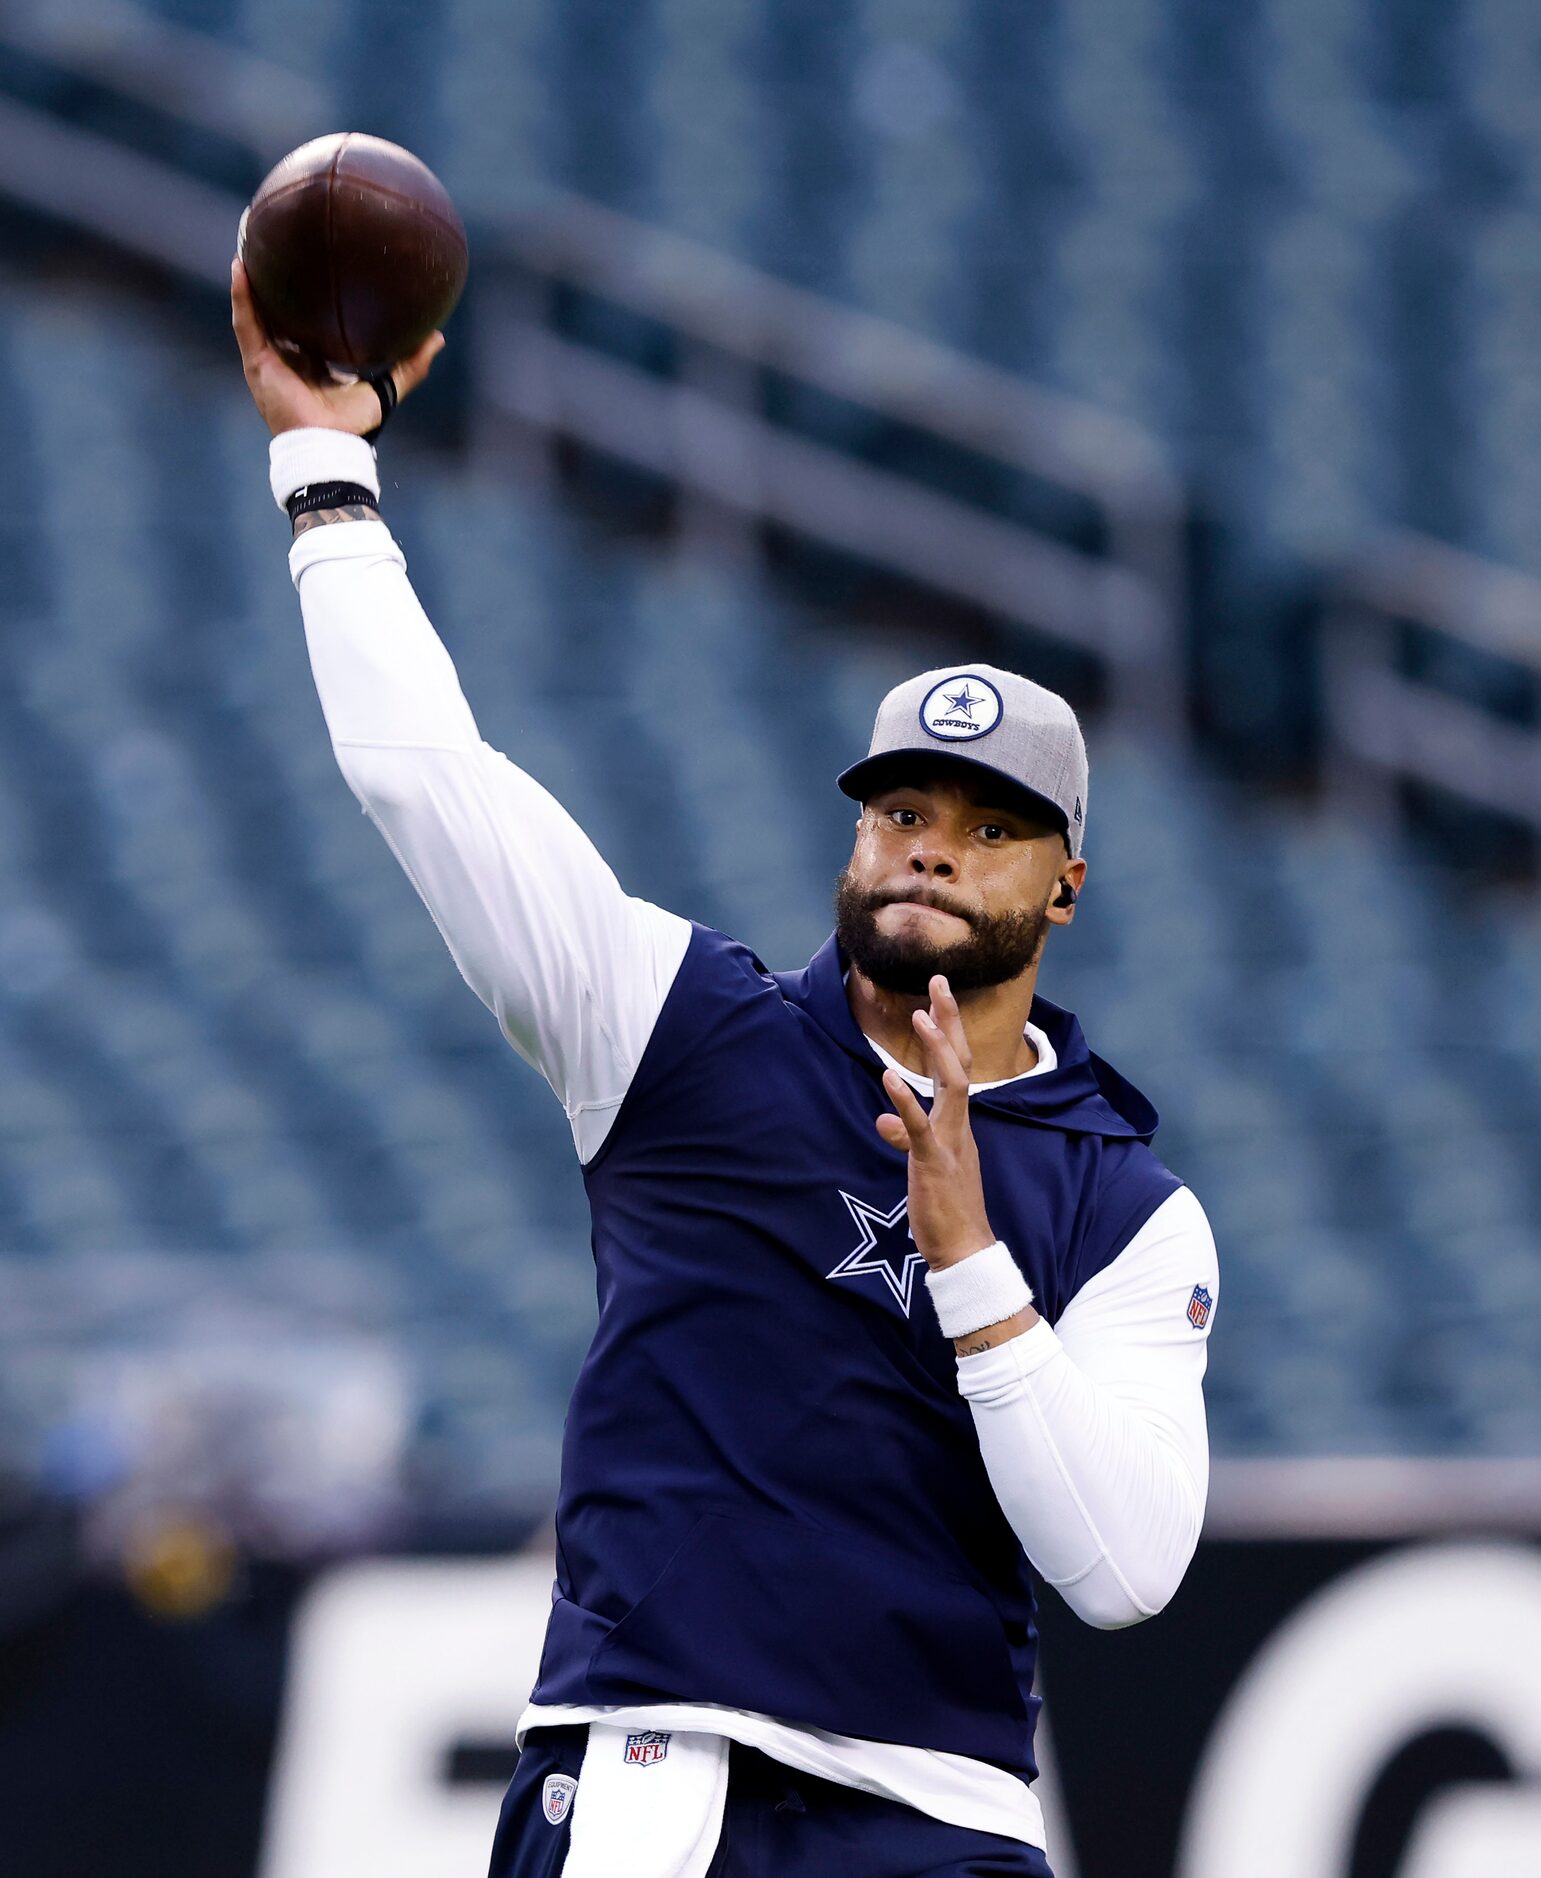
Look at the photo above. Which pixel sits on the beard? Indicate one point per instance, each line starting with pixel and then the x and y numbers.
pixel 1000 946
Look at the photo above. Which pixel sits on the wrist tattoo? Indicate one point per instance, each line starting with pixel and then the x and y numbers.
pixel 345 512
pixel 973 1349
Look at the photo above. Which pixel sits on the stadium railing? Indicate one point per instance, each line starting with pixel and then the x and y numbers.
pixel 947 475
pixel 1394 703
pixel 757 374
pixel 720 409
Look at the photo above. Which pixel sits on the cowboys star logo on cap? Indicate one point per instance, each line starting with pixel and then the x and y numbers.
pixel 983 718
pixel 961 707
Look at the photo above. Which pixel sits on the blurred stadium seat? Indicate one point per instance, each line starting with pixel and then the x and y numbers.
pixel 1300 244
pixel 1205 384
pixel 241 1077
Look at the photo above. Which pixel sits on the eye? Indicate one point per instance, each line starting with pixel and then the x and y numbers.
pixel 992 831
pixel 904 818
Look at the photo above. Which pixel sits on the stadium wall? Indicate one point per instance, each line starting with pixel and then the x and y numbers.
pixel 1318 1702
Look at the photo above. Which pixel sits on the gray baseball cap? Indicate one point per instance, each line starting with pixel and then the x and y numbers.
pixel 988 719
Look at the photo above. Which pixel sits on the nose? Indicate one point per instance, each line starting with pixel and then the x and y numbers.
pixel 931 860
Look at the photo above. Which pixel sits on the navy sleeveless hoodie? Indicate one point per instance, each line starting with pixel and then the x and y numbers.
pixel 772 1496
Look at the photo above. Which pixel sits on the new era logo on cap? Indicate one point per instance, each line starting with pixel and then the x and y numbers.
pixel 992 720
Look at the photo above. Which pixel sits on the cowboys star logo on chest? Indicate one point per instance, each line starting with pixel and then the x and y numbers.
pixel 885 1252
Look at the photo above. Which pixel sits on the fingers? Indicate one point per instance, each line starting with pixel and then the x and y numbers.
pixel 946 1015
pixel 947 1068
pixel 249 335
pixel 910 1128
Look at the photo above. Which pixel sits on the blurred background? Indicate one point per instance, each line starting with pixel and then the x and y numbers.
pixel 1184 354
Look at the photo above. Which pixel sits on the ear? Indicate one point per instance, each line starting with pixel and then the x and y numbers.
pixel 1072 875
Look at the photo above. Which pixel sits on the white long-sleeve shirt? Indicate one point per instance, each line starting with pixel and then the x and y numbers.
pixel 1092 1430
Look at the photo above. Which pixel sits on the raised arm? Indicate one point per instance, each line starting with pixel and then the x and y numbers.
pixel 575 970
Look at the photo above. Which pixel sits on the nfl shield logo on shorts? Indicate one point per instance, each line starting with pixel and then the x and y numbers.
pixel 1198 1307
pixel 556 1797
pixel 642 1750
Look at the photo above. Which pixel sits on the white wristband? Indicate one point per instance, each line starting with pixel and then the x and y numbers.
pixel 985 1288
pixel 298 457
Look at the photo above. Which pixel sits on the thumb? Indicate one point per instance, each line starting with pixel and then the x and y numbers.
pixel 894 1132
pixel 411 372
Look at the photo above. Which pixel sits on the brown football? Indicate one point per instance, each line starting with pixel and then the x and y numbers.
pixel 354 251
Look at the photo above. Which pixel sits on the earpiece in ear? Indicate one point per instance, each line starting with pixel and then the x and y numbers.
pixel 1066 894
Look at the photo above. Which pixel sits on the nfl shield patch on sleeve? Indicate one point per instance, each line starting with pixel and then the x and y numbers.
pixel 556 1797
pixel 1198 1307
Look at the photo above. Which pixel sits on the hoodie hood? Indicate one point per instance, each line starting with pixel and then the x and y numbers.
pixel 1082 1095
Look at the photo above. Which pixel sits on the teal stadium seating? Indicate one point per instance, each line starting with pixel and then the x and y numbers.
pixel 241 1084
pixel 239 1075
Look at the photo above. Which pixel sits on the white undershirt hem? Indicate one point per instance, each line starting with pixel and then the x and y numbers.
pixel 949 1787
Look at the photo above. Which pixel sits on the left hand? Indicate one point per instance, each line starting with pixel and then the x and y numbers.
pixel 947 1197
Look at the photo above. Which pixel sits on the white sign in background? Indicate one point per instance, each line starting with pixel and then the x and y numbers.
pixel 1416 1639
pixel 391 1664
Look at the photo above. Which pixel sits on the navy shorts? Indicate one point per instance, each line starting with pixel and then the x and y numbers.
pixel 778 1823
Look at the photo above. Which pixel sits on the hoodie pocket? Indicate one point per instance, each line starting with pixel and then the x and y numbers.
pixel 787 1620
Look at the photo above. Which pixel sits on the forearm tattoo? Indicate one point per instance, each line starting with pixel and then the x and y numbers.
pixel 349 512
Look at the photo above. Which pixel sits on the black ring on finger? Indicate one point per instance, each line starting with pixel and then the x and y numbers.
pixel 383 385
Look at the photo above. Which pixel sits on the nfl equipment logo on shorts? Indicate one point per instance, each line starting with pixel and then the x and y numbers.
pixel 556 1797
pixel 1198 1307
pixel 642 1750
